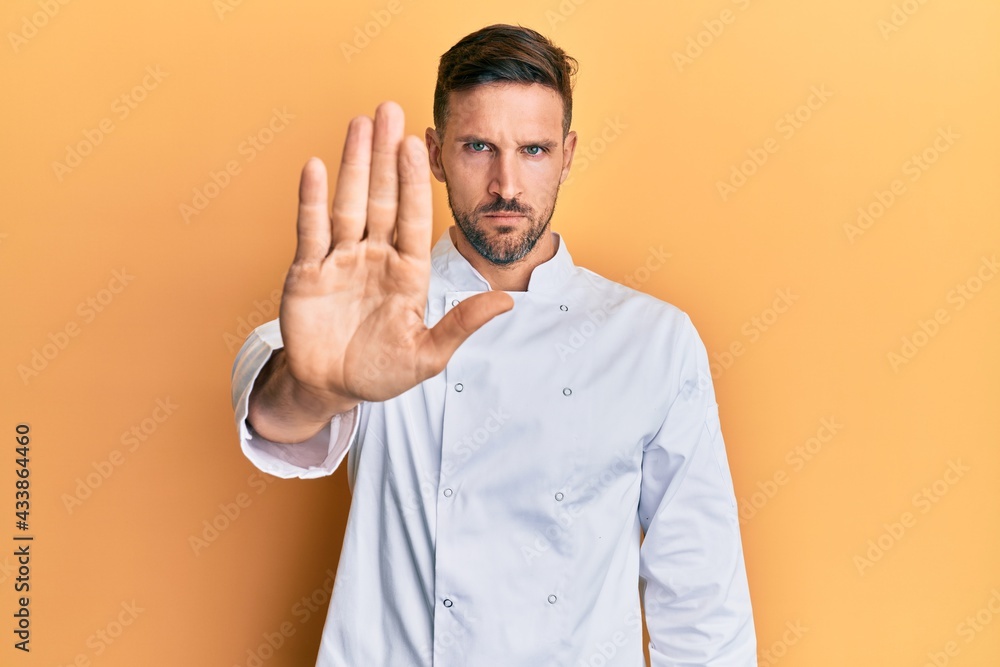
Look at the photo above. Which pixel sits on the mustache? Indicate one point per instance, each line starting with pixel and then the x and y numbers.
pixel 501 205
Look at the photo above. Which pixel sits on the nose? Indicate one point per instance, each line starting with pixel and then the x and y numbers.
pixel 505 181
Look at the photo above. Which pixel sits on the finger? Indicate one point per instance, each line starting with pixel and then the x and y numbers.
pixel 313 224
pixel 383 189
pixel 350 200
pixel 457 325
pixel 415 219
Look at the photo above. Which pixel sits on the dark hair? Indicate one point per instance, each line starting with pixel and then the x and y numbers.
pixel 504 52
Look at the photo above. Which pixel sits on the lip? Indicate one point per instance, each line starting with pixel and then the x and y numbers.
pixel 503 215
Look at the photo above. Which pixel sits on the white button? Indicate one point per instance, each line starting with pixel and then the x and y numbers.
pixel 559 495
pixel 454 302
pixel 567 391
pixel 552 599
pixel 447 493
pixel 563 307
pixel 459 387
pixel 447 602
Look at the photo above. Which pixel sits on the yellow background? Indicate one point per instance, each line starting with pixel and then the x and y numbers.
pixel 670 99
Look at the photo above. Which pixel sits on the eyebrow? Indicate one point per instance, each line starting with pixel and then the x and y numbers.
pixel 471 137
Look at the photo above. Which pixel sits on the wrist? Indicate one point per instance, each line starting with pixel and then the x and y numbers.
pixel 282 409
pixel 318 405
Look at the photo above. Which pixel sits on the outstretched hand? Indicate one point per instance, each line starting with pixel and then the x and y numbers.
pixel 352 310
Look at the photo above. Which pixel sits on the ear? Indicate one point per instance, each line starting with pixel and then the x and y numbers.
pixel 569 146
pixel 434 153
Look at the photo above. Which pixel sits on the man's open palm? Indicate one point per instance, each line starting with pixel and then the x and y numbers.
pixel 352 310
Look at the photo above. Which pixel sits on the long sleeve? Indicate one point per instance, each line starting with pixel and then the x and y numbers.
pixel 316 457
pixel 695 591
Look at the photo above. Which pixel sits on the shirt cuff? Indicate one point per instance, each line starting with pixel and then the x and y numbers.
pixel 318 456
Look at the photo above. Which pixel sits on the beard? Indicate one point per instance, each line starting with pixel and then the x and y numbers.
pixel 502 243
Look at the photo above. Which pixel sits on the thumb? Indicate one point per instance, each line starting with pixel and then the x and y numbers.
pixel 461 322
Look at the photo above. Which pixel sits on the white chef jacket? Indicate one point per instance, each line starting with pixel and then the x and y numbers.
pixel 497 507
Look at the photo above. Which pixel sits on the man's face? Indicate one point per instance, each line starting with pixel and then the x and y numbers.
pixel 502 159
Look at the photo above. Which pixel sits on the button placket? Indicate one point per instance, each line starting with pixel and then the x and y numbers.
pixel 444 629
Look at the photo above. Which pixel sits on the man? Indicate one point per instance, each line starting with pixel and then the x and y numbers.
pixel 513 424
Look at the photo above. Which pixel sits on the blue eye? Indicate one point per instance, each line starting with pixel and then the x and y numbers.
pixel 537 148
pixel 477 143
